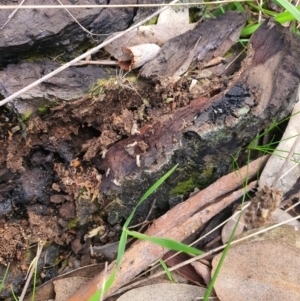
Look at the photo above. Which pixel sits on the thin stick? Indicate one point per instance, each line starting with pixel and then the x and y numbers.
pixel 12 14
pixel 81 57
pixel 289 157
pixel 121 5
pixel 102 62
pixel 83 28
pixel 32 268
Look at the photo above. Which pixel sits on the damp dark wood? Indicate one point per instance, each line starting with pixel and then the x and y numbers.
pixel 202 137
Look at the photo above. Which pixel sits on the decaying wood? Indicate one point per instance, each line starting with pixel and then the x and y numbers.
pixel 209 39
pixel 178 223
pixel 203 136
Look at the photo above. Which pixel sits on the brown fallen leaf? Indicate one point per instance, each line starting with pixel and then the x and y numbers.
pixel 64 288
pixel 203 270
pixel 186 271
pixel 164 291
pixel 46 290
pixel 170 24
pixel 263 269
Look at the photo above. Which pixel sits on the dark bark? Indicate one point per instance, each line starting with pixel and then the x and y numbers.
pixel 203 136
pixel 209 39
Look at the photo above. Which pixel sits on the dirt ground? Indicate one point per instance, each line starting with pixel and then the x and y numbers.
pixel 49 180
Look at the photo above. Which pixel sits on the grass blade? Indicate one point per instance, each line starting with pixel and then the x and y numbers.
pixel 166 243
pixel 290 8
pixel 124 235
pixel 4 277
pixel 168 273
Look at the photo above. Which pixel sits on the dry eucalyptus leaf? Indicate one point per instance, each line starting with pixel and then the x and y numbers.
pixel 171 17
pixel 165 292
pixel 64 288
pixel 264 268
pixel 155 34
pixel 137 56
pixel 229 226
pixel 274 164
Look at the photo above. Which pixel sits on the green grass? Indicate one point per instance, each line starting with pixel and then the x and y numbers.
pixel 168 273
pixel 178 246
pixel 2 283
pixel 290 13
pixel 123 240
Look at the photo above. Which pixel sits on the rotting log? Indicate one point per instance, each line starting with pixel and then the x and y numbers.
pixel 202 137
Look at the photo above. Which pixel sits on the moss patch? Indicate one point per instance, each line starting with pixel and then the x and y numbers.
pixel 199 180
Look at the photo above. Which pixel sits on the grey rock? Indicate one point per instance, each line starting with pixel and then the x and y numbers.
pixel 39 32
pixel 69 84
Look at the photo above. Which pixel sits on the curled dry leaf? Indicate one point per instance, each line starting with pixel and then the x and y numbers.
pixel 170 24
pixel 229 226
pixel 288 175
pixel 164 291
pixel 137 56
pixel 264 268
pixel 203 270
pixel 171 17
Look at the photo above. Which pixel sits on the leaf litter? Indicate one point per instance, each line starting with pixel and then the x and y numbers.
pixel 81 182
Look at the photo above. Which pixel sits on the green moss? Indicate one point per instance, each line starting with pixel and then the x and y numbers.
pixel 98 88
pixel 28 255
pixel 206 175
pixel 42 110
pixel 195 14
pixel 26 116
pixel 184 187
pixel 153 21
pixel 195 180
pixel 72 223
pixel 34 58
